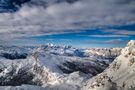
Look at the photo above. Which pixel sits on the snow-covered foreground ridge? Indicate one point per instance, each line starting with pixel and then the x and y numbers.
pixel 51 67
pixel 120 75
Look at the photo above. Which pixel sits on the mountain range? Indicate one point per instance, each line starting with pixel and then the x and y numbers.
pixel 53 67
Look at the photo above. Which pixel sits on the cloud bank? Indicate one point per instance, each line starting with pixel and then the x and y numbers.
pixel 43 17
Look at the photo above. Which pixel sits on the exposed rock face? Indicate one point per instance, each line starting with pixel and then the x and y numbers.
pixel 25 72
pixel 119 75
pixel 16 75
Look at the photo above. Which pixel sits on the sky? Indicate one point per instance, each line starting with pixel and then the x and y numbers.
pixel 84 23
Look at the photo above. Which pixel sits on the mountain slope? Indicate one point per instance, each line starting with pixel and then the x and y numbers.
pixel 53 67
pixel 120 75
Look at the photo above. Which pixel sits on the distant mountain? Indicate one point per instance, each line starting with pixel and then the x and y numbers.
pixel 53 67
pixel 96 53
pixel 15 52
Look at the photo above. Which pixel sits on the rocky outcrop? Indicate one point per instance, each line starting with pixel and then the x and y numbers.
pixel 119 75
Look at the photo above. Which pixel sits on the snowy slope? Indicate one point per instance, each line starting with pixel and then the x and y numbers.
pixel 120 75
pixel 15 52
pixel 52 67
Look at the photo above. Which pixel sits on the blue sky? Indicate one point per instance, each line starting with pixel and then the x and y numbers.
pixel 106 37
pixel 83 23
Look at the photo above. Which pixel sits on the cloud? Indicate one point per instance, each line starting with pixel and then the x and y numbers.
pixel 116 41
pixel 38 19
pixel 125 32
pixel 120 32
pixel 109 42
pixel 108 35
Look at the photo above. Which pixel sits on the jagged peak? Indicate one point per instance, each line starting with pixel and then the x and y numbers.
pixel 49 44
pixel 129 49
pixel 131 43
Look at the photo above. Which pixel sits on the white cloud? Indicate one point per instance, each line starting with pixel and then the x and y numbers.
pixel 125 32
pixel 110 42
pixel 116 41
pixel 109 35
pixel 64 17
pixel 120 32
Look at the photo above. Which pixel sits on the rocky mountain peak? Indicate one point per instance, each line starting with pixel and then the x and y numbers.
pixel 131 43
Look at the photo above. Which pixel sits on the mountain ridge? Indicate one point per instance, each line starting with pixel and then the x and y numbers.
pixel 119 75
pixel 59 71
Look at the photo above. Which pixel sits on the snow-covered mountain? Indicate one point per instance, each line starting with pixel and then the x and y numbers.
pixel 97 53
pixel 15 52
pixel 120 75
pixel 52 67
